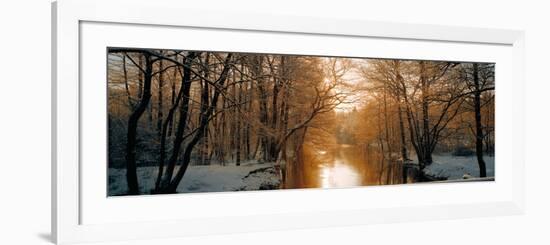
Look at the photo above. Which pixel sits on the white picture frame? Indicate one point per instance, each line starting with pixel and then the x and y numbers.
pixel 79 215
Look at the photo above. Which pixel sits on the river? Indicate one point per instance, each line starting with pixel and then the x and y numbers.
pixel 341 165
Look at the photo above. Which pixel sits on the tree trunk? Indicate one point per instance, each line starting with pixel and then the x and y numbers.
pixel 404 153
pixel 126 86
pixel 204 145
pixel 173 100
pixel 274 110
pixel 249 109
pixel 205 113
pixel 263 116
pixel 205 160
pixel 479 127
pixel 223 136
pixel 131 168
pixel 426 141
pixel 238 128
pixel 238 118
pixel 182 123
pixel 380 144
pixel 140 77
pixel 165 128
pixel 159 104
pixel 386 123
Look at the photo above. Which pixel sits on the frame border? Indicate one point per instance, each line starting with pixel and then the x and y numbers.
pixel 66 17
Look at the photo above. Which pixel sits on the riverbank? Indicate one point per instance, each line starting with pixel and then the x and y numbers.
pixel 449 167
pixel 204 178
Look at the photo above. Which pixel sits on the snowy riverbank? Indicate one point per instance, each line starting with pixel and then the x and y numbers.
pixel 457 167
pixel 207 178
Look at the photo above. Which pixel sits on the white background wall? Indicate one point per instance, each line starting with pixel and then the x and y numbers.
pixel 25 122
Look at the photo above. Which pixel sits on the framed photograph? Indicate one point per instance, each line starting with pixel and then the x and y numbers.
pixel 170 124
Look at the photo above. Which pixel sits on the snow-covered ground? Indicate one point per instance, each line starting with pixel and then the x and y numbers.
pixel 209 178
pixel 457 167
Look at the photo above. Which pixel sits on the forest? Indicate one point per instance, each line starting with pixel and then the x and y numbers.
pixel 199 121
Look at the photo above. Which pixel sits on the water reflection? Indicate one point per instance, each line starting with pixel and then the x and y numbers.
pixel 338 175
pixel 337 166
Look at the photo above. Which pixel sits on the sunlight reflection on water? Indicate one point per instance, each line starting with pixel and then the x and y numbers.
pixel 338 175
pixel 335 166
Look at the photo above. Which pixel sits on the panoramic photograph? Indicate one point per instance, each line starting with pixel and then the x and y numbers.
pixel 187 121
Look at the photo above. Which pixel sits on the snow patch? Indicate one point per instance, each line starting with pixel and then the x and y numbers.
pixel 204 178
pixel 458 167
